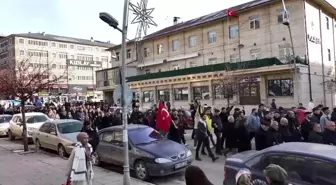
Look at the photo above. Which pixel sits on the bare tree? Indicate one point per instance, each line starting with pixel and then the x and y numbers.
pixel 21 80
pixel 229 82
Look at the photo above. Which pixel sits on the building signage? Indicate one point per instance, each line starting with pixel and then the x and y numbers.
pixel 313 39
pixel 83 63
pixel 79 89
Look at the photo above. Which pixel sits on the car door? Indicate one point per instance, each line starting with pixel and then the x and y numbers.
pixel 42 134
pixel 117 147
pixel 104 148
pixel 52 137
pixel 17 127
pixel 325 171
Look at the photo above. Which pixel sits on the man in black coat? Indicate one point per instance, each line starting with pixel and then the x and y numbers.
pixel 218 128
pixel 92 133
pixel 315 136
pixel 263 138
pixel 306 126
pixel 329 134
pixel 315 118
pixel 294 126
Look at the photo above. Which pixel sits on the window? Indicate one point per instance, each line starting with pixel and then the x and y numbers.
pixel 53 66
pixel 212 61
pixel 329 55
pixel 181 93
pixel 176 67
pixel 107 137
pixel 21 41
pixel 118 139
pixel 72 46
pixel 4 44
pixel 147 71
pixel 22 53
pixel 192 41
pixel 10 41
pixel 63 55
pixel 146 52
pixel 284 51
pixel 32 53
pixel 148 96
pixel 103 59
pixel 201 93
pixel 117 56
pixel 175 45
pixel 327 22
pixel 62 45
pixel 283 87
pixel 254 22
pixel 282 15
pixel 233 31
pixel 221 91
pixel 85 57
pixel 54 55
pixel 192 64
pixel 128 53
pixel 163 95
pixel 159 49
pixel 72 56
pixel 325 172
pixel 37 43
pixel 211 37
pixel 81 48
pixel 234 58
pixel 53 44
pixel 255 54
pixel 298 168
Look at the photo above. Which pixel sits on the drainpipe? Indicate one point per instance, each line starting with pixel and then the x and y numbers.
pixel 307 51
pixel 322 56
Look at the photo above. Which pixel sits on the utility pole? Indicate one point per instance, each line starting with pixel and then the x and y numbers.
pixel 127 177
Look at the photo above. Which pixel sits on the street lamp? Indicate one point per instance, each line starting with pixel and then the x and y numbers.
pixel 111 21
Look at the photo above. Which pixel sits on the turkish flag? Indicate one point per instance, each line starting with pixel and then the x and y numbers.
pixel 163 119
pixel 231 13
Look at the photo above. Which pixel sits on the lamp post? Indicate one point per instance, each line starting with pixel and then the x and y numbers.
pixel 107 18
pixel 287 23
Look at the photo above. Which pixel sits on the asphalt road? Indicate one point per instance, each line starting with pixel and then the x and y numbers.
pixel 213 170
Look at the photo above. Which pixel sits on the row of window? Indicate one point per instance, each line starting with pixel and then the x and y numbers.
pixel 36 65
pixel 53 44
pixel 84 78
pixel 42 54
pixel 279 87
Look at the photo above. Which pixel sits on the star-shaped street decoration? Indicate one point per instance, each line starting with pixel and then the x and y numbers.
pixel 142 17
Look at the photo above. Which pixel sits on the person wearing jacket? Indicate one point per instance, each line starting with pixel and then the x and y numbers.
pixel 315 136
pixel 197 119
pixel 92 133
pixel 243 138
pixel 324 118
pixel 218 127
pixel 275 175
pixel 276 135
pixel 263 138
pixel 253 123
pixel 202 136
pixel 306 126
pixel 329 134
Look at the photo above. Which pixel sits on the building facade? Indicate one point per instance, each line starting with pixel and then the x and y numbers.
pixel 76 60
pixel 190 60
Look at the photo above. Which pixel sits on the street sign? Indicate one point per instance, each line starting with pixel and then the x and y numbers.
pixel 128 95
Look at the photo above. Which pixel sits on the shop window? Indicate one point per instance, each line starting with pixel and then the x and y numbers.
pixel 201 93
pixel 283 87
pixel 148 96
pixel 181 94
pixel 222 92
pixel 163 95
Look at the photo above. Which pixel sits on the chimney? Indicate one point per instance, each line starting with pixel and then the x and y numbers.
pixel 176 20
pixel 91 39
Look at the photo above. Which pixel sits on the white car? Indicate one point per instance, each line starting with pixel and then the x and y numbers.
pixel 33 121
pixel 4 124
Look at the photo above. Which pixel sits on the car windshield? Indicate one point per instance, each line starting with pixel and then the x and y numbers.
pixel 36 119
pixel 144 136
pixel 5 119
pixel 69 127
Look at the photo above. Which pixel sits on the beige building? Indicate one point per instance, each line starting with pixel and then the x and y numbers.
pixel 75 59
pixel 193 59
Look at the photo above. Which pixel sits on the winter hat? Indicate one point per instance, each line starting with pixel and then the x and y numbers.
pixel 275 173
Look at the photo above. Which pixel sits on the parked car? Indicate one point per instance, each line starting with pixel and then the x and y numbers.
pixel 33 121
pixel 305 163
pixel 58 135
pixel 4 124
pixel 150 153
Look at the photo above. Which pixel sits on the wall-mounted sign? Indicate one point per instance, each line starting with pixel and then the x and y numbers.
pixel 78 89
pixel 83 63
pixel 313 39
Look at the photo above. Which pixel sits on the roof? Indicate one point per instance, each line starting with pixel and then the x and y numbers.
pixel 5 115
pixel 313 149
pixel 130 127
pixel 31 114
pixel 60 121
pixel 49 37
pixel 215 16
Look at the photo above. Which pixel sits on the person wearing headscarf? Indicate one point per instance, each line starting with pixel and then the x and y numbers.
pixel 243 177
pixel 275 175
pixel 79 169
pixel 195 176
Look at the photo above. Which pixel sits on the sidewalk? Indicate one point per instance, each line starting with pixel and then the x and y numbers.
pixel 41 168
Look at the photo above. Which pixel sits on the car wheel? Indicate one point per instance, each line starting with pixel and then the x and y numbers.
pixel 96 160
pixel 141 170
pixel 61 151
pixel 38 144
pixel 10 135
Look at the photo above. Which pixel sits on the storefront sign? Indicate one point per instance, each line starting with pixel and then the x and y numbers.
pixel 314 39
pixel 83 63
pixel 79 89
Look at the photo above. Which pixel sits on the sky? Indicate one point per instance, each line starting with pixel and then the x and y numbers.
pixel 80 18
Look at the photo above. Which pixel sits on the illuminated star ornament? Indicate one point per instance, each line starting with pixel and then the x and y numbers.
pixel 142 17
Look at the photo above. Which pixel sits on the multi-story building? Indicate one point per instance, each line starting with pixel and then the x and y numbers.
pixel 76 60
pixel 190 60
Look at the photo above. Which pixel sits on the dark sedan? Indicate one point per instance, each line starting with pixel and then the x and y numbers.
pixel 150 153
pixel 305 163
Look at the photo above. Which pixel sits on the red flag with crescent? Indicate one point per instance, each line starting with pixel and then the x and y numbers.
pixel 163 119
